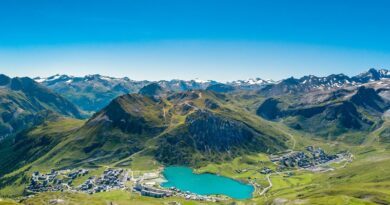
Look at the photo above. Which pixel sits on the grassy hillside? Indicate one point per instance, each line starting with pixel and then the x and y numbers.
pixel 32 144
pixel 364 181
pixel 26 153
pixel 212 132
pixel 134 123
pixel 24 104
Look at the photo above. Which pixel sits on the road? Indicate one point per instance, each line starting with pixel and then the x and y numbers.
pixel 268 187
pixel 289 135
pixel 292 138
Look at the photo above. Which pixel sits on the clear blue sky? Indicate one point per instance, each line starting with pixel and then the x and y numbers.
pixel 208 39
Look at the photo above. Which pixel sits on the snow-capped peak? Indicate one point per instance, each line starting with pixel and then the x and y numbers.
pixel 252 81
pixel 197 80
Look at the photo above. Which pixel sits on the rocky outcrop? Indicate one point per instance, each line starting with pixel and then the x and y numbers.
pixel 207 136
pixel 213 132
pixel 369 99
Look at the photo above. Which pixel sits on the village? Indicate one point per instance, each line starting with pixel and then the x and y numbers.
pixel 145 184
pixel 148 183
pixel 314 159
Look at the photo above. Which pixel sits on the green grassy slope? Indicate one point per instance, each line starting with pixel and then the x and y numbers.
pixel 32 144
pixel 130 132
pixel 134 123
pixel 24 104
pixel 28 152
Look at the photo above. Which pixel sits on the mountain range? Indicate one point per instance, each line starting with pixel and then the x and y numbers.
pixel 92 92
pixel 65 122
pixel 175 113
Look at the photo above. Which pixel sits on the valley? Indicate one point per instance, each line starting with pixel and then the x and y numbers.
pixel 292 142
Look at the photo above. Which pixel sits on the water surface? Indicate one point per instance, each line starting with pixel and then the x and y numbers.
pixel 185 179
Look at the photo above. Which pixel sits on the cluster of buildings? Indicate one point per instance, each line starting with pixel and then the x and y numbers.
pixel 63 180
pixel 319 156
pixel 160 193
pixel 78 173
pixel 54 180
pixel 45 182
pixel 265 170
pixel 301 159
pixel 192 196
pixel 152 191
pixel 147 185
pixel 109 180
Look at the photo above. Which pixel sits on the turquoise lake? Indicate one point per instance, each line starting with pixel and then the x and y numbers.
pixel 185 179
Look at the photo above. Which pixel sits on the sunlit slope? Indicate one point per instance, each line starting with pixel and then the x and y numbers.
pixel 136 125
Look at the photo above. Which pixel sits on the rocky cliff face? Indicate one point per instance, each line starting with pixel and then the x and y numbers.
pixel 207 136
pixel 368 98
pixel 213 132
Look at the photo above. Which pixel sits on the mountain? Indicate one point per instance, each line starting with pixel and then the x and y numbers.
pixel 153 90
pixel 311 82
pixel 183 85
pixel 93 92
pixel 328 113
pixel 208 136
pixel 185 128
pixel 371 75
pixel 250 84
pixel 224 128
pixel 25 103
pixel 32 143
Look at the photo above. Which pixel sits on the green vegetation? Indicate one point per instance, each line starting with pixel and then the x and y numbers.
pixel 114 197
pixel 218 133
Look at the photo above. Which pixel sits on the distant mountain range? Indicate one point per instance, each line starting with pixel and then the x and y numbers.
pixel 311 82
pixel 93 92
pixel 25 102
